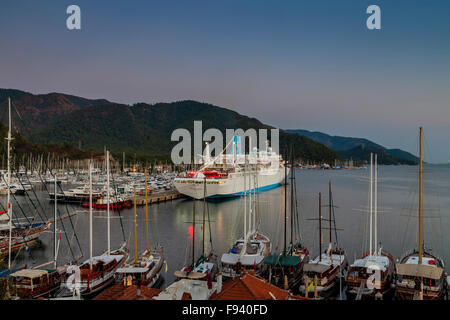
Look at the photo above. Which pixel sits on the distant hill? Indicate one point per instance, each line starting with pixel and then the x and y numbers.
pixel 37 111
pixel 359 149
pixel 22 148
pixel 140 129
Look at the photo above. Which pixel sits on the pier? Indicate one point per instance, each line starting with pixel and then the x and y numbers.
pixel 157 198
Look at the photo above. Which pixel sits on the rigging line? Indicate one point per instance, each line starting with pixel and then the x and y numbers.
pixel 20 233
pixel 62 224
pixel 28 197
pixel 17 202
pixel 67 210
pixel 120 210
pixel 412 189
pixel 17 111
pixel 76 223
pixel 209 227
pixel 40 205
pixel 297 211
pixel 334 219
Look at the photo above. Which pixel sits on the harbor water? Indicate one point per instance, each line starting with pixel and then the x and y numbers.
pixel 170 223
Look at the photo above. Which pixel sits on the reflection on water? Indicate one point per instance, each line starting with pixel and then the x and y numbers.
pixel 170 221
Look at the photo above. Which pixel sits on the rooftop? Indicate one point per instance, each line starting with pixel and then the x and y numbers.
pixel 249 287
pixel 120 292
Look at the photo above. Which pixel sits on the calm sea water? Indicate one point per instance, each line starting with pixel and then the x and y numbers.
pixel 170 222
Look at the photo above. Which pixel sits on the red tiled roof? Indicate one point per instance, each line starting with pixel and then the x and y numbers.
pixel 120 292
pixel 249 287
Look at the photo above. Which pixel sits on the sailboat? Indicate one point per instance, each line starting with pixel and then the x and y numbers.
pixel 146 268
pixel 420 274
pixel 38 282
pixel 323 272
pixel 284 270
pixel 248 253
pixel 205 267
pixel 13 235
pixel 97 272
pixel 372 275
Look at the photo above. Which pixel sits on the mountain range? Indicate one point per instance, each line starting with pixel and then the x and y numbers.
pixel 359 149
pixel 143 130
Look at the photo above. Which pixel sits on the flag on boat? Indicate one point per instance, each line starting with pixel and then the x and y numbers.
pixel 165 270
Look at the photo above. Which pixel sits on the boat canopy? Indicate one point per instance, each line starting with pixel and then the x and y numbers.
pixel 29 273
pixel 415 270
pixel 282 260
pixel 315 267
pixel 132 270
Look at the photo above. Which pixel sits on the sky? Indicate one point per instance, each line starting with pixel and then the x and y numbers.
pixel 292 64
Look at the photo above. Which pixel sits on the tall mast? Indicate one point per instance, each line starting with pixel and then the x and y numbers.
pixel 370 204
pixel 9 183
pixel 285 200
pixel 146 210
pixel 292 196
pixel 54 227
pixel 245 206
pixel 135 230
pixel 90 215
pixel 204 211
pixel 250 201
pixel 329 205
pixel 193 233
pixel 420 199
pixel 320 226
pixel 376 206
pixel 108 201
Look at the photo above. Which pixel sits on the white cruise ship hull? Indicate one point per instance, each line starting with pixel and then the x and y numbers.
pixel 231 186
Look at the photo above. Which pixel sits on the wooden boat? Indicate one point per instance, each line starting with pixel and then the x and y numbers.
pixel 248 253
pixel 102 204
pixel 34 283
pixel 372 275
pixel 205 267
pixel 362 282
pixel 420 274
pixel 285 270
pixel 21 236
pixel 323 272
pixel 146 269
pixel 97 272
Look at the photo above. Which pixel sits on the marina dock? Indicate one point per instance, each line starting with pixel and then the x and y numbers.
pixel 157 198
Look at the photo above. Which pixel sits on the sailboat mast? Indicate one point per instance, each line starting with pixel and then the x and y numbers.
pixel 329 205
pixel 146 210
pixel 420 198
pixel 245 206
pixel 193 232
pixel 108 201
pixel 9 183
pixel 285 201
pixel 90 215
pixel 371 204
pixel 135 230
pixel 204 212
pixel 376 206
pixel 320 226
pixel 54 226
pixel 250 201
pixel 292 196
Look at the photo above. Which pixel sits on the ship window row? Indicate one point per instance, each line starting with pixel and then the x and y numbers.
pixel 202 182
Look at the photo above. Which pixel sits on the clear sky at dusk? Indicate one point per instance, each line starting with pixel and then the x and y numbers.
pixel 292 64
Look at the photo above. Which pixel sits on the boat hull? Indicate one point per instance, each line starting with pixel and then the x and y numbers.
pixel 233 186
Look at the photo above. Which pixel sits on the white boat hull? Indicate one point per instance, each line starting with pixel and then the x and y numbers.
pixel 228 187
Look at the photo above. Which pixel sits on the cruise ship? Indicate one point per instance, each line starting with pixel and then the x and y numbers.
pixel 223 176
